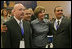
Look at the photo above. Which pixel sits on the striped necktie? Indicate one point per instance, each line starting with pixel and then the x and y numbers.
pixel 57 25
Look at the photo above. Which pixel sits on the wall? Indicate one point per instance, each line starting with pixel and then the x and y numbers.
pixel 50 5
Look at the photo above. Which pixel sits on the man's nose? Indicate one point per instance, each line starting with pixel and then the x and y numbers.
pixel 29 15
pixel 22 11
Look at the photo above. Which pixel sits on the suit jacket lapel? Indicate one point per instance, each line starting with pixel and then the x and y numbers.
pixel 17 28
pixel 24 26
pixel 53 25
pixel 61 27
pixel 62 24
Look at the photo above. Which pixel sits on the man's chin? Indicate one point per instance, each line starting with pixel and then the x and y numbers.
pixel 58 17
pixel 21 17
pixel 42 17
pixel 28 19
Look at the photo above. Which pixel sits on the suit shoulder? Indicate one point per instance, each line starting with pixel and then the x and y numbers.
pixel 67 19
pixel 34 21
pixel 8 22
pixel 26 22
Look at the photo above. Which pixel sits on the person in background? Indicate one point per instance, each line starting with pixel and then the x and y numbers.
pixel 27 15
pixel 32 16
pixel 12 14
pixel 4 16
pixel 32 12
pixel 40 29
pixel 53 19
pixel 3 27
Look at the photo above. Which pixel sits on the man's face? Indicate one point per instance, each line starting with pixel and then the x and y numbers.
pixel 27 15
pixel 19 11
pixel 59 12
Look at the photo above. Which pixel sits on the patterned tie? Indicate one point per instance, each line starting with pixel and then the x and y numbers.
pixel 57 24
pixel 22 29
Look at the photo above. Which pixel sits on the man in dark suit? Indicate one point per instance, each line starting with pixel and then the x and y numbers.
pixel 61 29
pixel 15 34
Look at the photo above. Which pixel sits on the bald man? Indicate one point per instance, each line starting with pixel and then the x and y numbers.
pixel 18 34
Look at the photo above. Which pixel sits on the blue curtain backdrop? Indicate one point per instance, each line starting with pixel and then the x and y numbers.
pixel 28 4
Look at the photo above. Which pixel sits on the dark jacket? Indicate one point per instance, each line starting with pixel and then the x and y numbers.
pixel 61 36
pixel 11 38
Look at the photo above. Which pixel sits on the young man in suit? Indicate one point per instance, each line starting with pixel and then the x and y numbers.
pixel 18 32
pixel 61 29
pixel 27 15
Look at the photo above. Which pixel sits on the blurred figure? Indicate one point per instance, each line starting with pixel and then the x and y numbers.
pixel 52 20
pixel 4 16
pixel 3 28
pixel 32 16
pixel 30 9
pixel 40 29
pixel 12 14
pixel 61 29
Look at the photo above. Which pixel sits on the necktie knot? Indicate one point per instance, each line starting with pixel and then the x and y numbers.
pixel 20 23
pixel 58 22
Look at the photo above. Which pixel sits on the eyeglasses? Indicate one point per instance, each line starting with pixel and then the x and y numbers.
pixel 59 10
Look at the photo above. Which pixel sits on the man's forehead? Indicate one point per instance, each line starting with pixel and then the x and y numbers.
pixel 21 8
pixel 27 11
pixel 59 8
pixel 18 6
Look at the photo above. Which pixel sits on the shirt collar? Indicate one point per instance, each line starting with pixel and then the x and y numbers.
pixel 59 19
pixel 40 21
pixel 18 21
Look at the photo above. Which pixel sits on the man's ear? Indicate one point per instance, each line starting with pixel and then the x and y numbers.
pixel 13 11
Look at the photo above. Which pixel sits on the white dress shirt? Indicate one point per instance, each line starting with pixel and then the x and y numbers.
pixel 56 22
pixel 18 21
pixel 22 42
